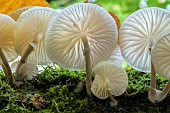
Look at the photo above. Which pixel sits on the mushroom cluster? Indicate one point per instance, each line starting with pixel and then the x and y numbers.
pixel 138 35
pixel 11 44
pixel 81 36
pixel 85 36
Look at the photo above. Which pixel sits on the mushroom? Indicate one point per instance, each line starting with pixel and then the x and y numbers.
pixel 7 7
pixel 30 31
pixel 117 56
pixel 15 14
pixel 110 79
pixel 138 33
pixel 28 70
pixel 161 59
pixel 7 50
pixel 15 63
pixel 81 36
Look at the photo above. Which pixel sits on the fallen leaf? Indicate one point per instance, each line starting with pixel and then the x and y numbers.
pixel 8 6
pixel 117 23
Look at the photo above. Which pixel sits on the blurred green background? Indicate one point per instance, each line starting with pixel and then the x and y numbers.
pixel 121 8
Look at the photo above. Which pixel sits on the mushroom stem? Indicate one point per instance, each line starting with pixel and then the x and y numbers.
pixel 23 61
pixel 154 94
pixel 88 66
pixel 113 101
pixel 7 70
pixel 153 80
pixel 166 89
pixel 31 47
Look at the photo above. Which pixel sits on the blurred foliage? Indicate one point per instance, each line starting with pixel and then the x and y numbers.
pixel 122 8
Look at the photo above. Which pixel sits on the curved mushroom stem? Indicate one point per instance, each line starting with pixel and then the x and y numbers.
pixel 167 88
pixel 31 47
pixel 23 61
pixel 88 66
pixel 113 102
pixel 160 95
pixel 154 94
pixel 6 68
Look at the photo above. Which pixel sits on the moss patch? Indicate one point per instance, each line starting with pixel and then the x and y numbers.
pixel 52 92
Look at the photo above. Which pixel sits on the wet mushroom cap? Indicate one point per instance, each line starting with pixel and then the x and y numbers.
pixel 161 56
pixel 31 25
pixel 138 34
pixel 7 37
pixel 15 14
pixel 64 38
pixel 109 76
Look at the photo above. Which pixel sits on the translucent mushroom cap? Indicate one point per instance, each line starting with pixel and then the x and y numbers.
pixel 116 56
pixel 161 56
pixel 28 70
pixel 109 77
pixel 139 32
pixel 64 37
pixel 7 37
pixel 30 29
pixel 15 14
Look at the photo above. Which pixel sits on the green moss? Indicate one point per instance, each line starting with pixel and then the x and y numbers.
pixel 52 92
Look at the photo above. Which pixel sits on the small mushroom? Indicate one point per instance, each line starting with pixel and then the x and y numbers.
pixel 15 63
pixel 110 79
pixel 30 31
pixel 16 14
pixel 28 70
pixel 138 33
pixel 161 59
pixel 7 7
pixel 81 36
pixel 7 50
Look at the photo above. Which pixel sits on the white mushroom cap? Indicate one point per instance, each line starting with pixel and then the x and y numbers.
pixel 161 56
pixel 28 70
pixel 15 63
pixel 117 56
pixel 109 76
pixel 16 14
pixel 138 34
pixel 64 37
pixel 7 37
pixel 31 24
